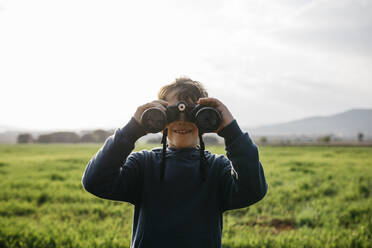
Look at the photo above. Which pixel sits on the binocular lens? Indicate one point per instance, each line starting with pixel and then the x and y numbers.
pixel 208 119
pixel 154 120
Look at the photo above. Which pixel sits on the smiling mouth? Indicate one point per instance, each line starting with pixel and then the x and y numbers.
pixel 182 131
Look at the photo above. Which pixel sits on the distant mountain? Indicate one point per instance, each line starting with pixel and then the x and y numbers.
pixel 346 124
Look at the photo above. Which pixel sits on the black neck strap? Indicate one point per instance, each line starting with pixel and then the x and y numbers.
pixel 202 157
pixel 164 142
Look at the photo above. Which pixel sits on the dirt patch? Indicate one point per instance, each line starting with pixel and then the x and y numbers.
pixel 283 225
pixel 276 225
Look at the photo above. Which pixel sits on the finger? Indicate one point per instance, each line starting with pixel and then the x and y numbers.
pixel 144 106
pixel 162 102
pixel 157 104
pixel 210 101
pixel 147 106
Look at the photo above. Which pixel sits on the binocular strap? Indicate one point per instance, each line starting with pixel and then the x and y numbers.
pixel 164 142
pixel 202 158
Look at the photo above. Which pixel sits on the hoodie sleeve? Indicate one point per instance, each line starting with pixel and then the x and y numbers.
pixel 112 173
pixel 242 179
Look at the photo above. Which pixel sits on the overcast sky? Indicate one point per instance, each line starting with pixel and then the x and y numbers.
pixel 89 64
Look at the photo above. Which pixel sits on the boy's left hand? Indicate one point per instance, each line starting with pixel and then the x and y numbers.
pixel 227 117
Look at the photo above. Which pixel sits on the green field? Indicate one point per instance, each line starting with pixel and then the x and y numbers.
pixel 318 197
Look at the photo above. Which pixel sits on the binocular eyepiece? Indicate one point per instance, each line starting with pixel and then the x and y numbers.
pixel 207 119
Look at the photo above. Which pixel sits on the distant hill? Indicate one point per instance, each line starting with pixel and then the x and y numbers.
pixel 346 124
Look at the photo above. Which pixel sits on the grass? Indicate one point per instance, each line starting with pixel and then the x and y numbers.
pixel 318 197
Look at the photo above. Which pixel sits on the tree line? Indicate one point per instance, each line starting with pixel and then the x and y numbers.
pixel 96 136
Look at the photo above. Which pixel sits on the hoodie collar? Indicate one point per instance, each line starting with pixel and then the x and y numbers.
pixel 188 153
pixel 177 150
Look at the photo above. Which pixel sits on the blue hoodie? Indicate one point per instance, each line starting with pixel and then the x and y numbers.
pixel 182 210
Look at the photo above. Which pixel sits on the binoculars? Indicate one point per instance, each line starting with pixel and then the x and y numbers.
pixel 207 119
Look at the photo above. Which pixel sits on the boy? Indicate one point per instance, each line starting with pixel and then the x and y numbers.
pixel 181 209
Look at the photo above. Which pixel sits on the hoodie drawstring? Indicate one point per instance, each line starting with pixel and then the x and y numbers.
pixel 202 158
pixel 164 142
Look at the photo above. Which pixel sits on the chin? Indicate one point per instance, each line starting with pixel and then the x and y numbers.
pixel 182 135
pixel 183 142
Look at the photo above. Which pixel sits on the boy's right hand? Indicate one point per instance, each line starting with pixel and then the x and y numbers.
pixel 156 103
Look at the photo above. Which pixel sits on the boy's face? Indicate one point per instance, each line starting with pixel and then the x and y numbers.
pixel 181 134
